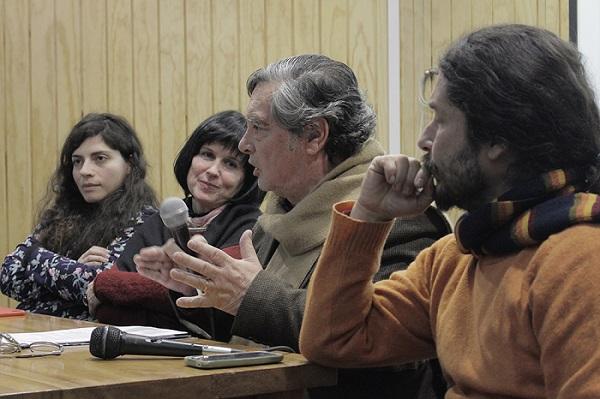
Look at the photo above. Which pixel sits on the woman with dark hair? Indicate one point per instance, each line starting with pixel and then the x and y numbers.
pixel 222 196
pixel 95 198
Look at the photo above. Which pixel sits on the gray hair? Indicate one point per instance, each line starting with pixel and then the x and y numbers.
pixel 315 86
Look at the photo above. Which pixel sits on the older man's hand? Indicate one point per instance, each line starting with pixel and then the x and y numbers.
pixel 221 281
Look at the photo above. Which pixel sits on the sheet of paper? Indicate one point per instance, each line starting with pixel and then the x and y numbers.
pixel 81 336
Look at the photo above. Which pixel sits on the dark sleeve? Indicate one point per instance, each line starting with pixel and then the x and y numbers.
pixel 31 271
pixel 16 281
pixel 271 311
pixel 152 232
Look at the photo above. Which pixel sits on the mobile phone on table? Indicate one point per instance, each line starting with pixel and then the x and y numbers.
pixel 234 359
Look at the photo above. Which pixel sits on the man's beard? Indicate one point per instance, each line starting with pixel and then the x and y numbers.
pixel 460 182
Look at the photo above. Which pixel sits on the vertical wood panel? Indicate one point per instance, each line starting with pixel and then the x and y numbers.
pixel 93 55
pixel 120 57
pixel 199 57
pixel 4 240
pixel 422 60
pixel 380 97
pixel 18 111
pixel 362 47
pixel 564 19
pixel 461 18
pixel 279 29
pixel 253 53
pixel 441 27
pixel 541 13
pixel 43 99
pixel 225 44
pixel 69 103
pixel 408 42
pixel 482 13
pixel 334 29
pixel 146 83
pixel 553 15
pixel 526 12
pixel 504 11
pixel 172 88
pixel 306 26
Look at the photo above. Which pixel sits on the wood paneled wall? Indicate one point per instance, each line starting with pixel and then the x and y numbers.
pixel 167 64
pixel 163 64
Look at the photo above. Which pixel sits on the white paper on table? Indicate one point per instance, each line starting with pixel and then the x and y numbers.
pixel 81 336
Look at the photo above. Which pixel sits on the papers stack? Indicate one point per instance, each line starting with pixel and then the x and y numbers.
pixel 81 336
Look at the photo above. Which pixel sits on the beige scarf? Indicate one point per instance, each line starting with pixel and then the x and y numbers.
pixel 301 232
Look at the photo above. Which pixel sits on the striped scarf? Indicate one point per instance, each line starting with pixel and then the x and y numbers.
pixel 528 214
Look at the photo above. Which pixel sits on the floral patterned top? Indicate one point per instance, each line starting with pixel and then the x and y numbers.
pixel 47 282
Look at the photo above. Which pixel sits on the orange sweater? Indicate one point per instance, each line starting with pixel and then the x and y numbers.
pixel 525 325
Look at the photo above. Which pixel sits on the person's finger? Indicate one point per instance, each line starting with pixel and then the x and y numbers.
pixel 96 251
pixel 401 166
pixel 390 170
pixel 422 178
pixel 425 197
pixel 246 247
pixel 93 260
pixel 170 248
pixel 140 262
pixel 414 166
pixel 199 282
pixel 99 250
pixel 199 237
pixel 191 282
pixel 210 254
pixel 376 165
pixel 153 253
pixel 93 263
pixel 97 258
pixel 147 272
pixel 198 301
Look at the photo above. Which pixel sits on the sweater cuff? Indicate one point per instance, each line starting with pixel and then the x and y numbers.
pixel 360 236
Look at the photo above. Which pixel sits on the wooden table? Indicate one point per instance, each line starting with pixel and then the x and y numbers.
pixel 77 374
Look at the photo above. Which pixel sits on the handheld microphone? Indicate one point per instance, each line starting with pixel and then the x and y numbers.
pixel 108 342
pixel 174 214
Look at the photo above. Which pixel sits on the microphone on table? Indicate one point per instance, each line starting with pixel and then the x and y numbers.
pixel 108 342
pixel 174 214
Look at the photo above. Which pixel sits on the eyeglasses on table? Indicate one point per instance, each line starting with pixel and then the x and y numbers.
pixel 10 348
